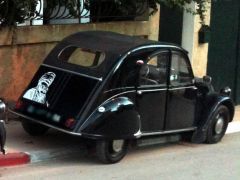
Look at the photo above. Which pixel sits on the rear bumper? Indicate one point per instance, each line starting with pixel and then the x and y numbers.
pixel 43 123
pixel 2 136
pixel 2 125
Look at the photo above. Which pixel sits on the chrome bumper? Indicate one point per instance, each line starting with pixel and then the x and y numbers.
pixel 3 112
pixel 43 123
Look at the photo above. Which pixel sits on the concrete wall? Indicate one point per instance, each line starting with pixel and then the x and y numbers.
pixel 23 49
pixel 198 53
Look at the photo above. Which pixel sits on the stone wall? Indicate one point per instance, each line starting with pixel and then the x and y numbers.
pixel 23 49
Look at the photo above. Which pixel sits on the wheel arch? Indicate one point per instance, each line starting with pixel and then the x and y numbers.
pixel 115 119
pixel 211 103
pixel 230 107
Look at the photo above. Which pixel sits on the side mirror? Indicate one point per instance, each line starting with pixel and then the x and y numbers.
pixel 207 79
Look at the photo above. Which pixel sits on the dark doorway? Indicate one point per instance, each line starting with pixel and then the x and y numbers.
pixel 171 23
pixel 224 49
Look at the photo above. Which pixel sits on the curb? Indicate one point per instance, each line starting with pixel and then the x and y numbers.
pixel 13 159
pixel 233 127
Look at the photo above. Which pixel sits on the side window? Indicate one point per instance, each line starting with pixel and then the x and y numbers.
pixel 180 72
pixel 126 75
pixel 154 71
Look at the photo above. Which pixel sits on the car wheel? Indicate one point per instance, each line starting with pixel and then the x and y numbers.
pixel 218 125
pixel 34 129
pixel 111 151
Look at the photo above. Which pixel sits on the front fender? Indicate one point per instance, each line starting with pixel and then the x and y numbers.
pixel 115 119
pixel 210 104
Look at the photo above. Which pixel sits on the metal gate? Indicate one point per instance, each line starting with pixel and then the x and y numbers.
pixel 224 47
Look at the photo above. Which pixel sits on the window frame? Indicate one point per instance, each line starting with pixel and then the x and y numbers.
pixel 187 61
pixel 93 51
pixel 156 53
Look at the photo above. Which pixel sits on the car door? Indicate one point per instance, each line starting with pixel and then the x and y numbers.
pixel 182 93
pixel 152 92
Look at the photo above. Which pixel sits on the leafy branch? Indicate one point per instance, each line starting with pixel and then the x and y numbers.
pixel 202 6
pixel 17 11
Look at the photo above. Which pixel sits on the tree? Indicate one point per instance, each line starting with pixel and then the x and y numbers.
pixel 202 6
pixel 17 11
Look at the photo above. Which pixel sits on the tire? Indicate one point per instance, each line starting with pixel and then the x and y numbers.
pixel 218 125
pixel 34 129
pixel 111 151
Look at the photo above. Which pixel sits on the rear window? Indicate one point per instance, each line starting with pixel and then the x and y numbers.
pixel 82 57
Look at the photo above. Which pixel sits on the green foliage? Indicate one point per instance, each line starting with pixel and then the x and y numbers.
pixel 15 11
pixel 201 9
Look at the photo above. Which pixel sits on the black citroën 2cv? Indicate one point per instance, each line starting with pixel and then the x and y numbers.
pixel 114 89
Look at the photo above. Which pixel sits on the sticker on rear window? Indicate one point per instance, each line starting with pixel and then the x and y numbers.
pixel 39 93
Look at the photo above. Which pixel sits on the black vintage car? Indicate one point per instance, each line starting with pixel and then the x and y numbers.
pixel 116 89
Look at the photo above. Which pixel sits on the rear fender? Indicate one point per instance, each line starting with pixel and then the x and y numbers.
pixel 210 105
pixel 115 119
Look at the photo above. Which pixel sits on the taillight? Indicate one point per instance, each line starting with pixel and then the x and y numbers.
pixel 69 123
pixel 19 104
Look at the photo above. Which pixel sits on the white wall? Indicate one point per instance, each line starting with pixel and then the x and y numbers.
pixel 188 31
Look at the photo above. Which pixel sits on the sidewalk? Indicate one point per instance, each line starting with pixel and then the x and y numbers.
pixel 237 113
pixel 235 125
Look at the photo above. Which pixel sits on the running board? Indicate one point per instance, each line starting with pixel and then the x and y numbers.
pixel 158 140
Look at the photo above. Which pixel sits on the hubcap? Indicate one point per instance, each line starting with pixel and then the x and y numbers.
pixel 219 125
pixel 117 145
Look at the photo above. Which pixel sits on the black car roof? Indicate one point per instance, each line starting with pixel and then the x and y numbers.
pixel 114 45
pixel 109 41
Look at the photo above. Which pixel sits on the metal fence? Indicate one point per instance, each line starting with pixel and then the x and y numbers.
pixel 37 12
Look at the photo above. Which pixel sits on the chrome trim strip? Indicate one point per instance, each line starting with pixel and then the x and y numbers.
pixel 121 88
pixel 139 89
pixel 152 90
pixel 39 122
pixel 65 70
pixel 138 134
pixel 168 132
pixel 189 87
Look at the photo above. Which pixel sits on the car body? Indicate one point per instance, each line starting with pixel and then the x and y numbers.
pixel 114 88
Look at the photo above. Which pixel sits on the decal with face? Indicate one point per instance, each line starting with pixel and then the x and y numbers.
pixel 39 93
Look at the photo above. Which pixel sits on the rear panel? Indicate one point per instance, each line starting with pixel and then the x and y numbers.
pixel 54 96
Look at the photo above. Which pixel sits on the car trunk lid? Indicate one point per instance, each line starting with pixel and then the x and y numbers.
pixel 56 96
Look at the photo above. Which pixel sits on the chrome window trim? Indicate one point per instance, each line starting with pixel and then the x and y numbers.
pixel 156 46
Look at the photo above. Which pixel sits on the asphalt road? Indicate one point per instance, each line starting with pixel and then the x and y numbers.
pixel 172 161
